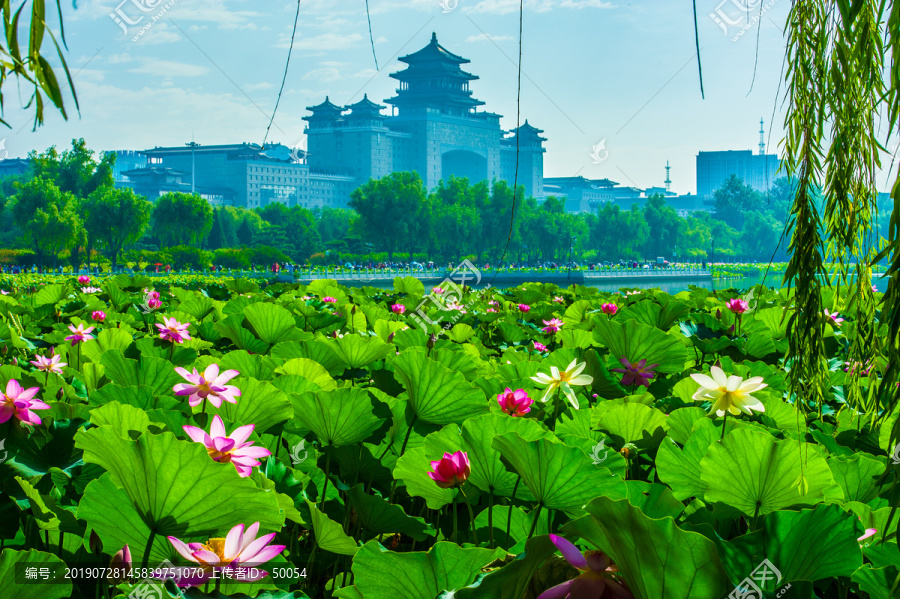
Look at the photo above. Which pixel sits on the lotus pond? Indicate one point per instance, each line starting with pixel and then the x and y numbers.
pixel 212 439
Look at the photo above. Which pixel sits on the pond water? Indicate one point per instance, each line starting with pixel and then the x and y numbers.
pixel 672 287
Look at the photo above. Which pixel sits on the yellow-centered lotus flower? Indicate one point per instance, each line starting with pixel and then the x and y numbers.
pixel 729 393
pixel 564 379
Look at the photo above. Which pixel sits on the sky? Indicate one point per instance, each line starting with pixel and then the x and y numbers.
pixel 621 74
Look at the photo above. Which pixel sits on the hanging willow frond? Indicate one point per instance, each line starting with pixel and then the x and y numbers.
pixel 806 93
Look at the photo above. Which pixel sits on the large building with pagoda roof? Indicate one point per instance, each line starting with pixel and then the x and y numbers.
pixel 434 128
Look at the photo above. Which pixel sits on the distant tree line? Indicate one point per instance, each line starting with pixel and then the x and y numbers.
pixel 66 208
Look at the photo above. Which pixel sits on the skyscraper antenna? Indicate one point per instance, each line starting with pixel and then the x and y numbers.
pixel 668 179
pixel 762 141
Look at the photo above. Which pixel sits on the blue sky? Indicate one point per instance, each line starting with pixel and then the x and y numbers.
pixel 619 71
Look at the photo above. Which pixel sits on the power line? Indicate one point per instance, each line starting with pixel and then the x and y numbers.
pixel 284 77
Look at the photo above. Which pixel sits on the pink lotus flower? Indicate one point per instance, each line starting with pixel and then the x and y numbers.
pixel 98 315
pixel 869 532
pixel 491 310
pixel 451 471
pixel 553 325
pixel 539 346
pixel 559 300
pixel 836 320
pixel 437 290
pixel 90 290
pixel 610 309
pixel 235 449
pixel 174 331
pixel 329 300
pixel 306 297
pixel 638 373
pixel 80 334
pixel 238 555
pixel 51 364
pixel 151 301
pixel 515 403
pixel 210 385
pixel 119 566
pixel 493 303
pixel 738 306
pixel 20 402
pixel 84 280
pixel 398 308
pixel 598 578
pixel 524 308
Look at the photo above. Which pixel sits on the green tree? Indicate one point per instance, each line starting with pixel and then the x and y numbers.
pixel 390 210
pixel 334 223
pixel 75 170
pixel 619 234
pixel 734 199
pixel 759 237
pixel 244 233
pixel 216 238
pixel 665 225
pixel 181 219
pixel 46 217
pixel 115 218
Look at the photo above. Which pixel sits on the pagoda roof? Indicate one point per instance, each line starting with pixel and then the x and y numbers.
pixel 528 130
pixel 325 106
pixel 365 107
pixel 433 52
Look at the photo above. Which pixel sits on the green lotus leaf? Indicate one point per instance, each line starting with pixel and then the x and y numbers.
pixel 141 397
pixel 51 294
pixel 681 421
pixel 514 579
pixel 409 285
pixel 158 486
pixel 488 472
pixel 520 525
pixel 157 374
pixel 232 328
pixel 655 500
pixel 877 582
pixel 271 323
pixel 656 558
pixel 436 393
pixel 631 423
pixel 343 416
pixel 680 468
pixel 127 420
pixel 47 513
pixel 560 477
pixel 634 342
pixel 605 384
pixel 417 575
pixel 106 339
pixel 329 534
pixel 577 312
pixel 858 476
pixel 813 544
pixel 260 403
pixel 380 517
pixel 12 566
pixel 309 369
pixel 252 365
pixel 357 351
pixel 413 467
pixel 757 474
pixel 197 307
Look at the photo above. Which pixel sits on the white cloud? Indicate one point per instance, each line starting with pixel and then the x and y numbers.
pixel 483 37
pixel 250 87
pixel 119 58
pixel 169 68
pixel 325 41
pixel 324 74
pixel 586 4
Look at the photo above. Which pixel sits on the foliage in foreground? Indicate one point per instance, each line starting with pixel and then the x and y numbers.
pixel 385 461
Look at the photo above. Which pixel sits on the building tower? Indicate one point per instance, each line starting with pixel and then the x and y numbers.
pixel 668 179
pixel 762 140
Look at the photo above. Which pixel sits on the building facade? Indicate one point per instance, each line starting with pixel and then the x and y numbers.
pixel 757 170
pixel 434 129
pixel 243 175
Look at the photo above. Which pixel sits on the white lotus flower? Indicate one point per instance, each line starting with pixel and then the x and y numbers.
pixel 731 393
pixel 564 380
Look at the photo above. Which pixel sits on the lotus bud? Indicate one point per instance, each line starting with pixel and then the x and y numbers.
pixel 94 543
pixel 629 451
pixel 119 566
pixel 60 394
pixel 390 338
